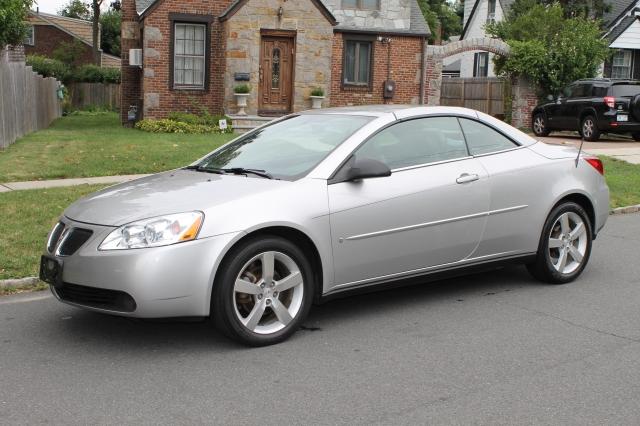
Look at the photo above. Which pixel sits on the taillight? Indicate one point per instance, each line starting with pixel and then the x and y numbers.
pixel 610 101
pixel 596 164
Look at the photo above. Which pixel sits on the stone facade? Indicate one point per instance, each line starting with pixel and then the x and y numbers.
pixel 313 41
pixel 393 15
pixel 402 64
pixel 524 100
pixel 130 80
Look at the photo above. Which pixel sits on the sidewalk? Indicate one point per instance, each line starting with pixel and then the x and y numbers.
pixel 621 150
pixel 42 184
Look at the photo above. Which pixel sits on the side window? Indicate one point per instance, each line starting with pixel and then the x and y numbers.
pixel 599 92
pixel 567 92
pixel 581 90
pixel 482 139
pixel 414 142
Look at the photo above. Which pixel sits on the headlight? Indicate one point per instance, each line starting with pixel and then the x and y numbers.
pixel 155 232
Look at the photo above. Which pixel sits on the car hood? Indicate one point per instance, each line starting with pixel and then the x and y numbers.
pixel 165 193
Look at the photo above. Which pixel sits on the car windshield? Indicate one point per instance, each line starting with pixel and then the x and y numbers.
pixel 622 90
pixel 288 149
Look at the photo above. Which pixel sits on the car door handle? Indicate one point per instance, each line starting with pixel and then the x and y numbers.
pixel 466 178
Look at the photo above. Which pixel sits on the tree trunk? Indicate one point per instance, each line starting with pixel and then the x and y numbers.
pixel 95 5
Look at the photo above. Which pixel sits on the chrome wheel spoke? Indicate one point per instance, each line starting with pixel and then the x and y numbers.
pixel 562 261
pixel 292 280
pixel 251 321
pixel 244 286
pixel 575 254
pixel 281 312
pixel 268 265
pixel 577 232
pixel 564 224
pixel 555 242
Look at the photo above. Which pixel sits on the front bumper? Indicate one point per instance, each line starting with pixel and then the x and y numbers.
pixel 169 281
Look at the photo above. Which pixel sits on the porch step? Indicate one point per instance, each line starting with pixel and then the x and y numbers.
pixel 245 123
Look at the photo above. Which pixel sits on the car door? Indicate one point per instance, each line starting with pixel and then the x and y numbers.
pixel 429 212
pixel 558 115
pixel 574 104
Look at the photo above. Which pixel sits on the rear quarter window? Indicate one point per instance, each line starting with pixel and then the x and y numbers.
pixel 622 90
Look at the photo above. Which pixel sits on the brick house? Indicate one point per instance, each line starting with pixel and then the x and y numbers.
pixel 195 51
pixel 46 32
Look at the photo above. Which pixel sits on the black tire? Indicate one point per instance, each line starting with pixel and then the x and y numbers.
pixel 539 125
pixel 223 299
pixel 542 268
pixel 636 136
pixel 591 132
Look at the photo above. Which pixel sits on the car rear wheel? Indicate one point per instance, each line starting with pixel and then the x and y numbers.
pixel 539 125
pixel 589 129
pixel 263 292
pixel 565 245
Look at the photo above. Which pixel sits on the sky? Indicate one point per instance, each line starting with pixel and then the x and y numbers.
pixel 52 6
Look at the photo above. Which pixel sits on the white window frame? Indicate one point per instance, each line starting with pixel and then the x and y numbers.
pixel 491 11
pixel 360 5
pixel 30 39
pixel 622 70
pixel 203 58
pixel 478 66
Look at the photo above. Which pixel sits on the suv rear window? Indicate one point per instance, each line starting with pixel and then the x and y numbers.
pixel 621 90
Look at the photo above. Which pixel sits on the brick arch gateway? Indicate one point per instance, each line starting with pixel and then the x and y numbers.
pixel 524 98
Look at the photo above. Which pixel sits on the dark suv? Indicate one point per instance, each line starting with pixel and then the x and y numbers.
pixel 592 107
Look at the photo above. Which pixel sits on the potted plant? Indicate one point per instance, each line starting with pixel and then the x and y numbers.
pixel 317 95
pixel 242 92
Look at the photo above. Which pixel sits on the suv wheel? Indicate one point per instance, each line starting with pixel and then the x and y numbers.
pixel 589 129
pixel 540 125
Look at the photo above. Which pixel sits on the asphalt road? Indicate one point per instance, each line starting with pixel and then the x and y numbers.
pixel 492 348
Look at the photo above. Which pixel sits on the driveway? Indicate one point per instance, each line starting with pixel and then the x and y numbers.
pixel 620 147
pixel 492 348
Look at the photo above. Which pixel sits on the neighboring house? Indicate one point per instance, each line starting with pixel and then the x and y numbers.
pixel 47 32
pixel 194 53
pixel 622 31
pixel 477 13
pixel 451 64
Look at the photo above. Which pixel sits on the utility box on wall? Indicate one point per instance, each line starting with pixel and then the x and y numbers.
pixel 389 89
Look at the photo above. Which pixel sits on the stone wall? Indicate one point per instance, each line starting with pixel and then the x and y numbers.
pixel 313 41
pixel 524 100
pixel 393 15
pixel 130 80
pixel 159 97
pixel 405 70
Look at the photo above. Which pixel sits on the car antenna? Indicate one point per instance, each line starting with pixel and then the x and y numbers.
pixel 579 150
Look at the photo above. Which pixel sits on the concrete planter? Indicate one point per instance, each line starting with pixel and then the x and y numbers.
pixel 241 101
pixel 316 101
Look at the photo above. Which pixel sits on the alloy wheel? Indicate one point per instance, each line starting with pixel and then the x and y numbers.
pixel 568 242
pixel 268 292
pixel 587 128
pixel 538 125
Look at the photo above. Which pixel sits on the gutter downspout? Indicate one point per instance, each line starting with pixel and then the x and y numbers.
pixel 423 68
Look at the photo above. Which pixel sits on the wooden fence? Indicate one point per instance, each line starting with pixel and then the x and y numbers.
pixel 28 101
pixel 486 94
pixel 84 95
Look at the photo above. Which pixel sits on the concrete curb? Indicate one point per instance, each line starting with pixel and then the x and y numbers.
pixel 31 281
pixel 625 210
pixel 19 283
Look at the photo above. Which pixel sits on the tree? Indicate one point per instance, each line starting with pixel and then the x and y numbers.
pixel 570 8
pixel 69 53
pixel 110 35
pixel 76 9
pixel 442 18
pixel 13 17
pixel 547 47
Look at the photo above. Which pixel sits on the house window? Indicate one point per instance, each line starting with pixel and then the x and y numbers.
pixel 30 38
pixel 357 62
pixel 361 4
pixel 481 64
pixel 621 64
pixel 189 56
pixel 491 11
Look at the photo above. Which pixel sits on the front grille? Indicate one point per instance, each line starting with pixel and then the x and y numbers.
pixel 73 240
pixel 55 236
pixel 94 297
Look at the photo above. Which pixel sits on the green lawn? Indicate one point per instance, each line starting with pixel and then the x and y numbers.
pixel 95 144
pixel 26 219
pixel 624 181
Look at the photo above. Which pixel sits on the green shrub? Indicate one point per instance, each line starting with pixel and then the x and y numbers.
pixel 242 88
pixel 94 74
pixel 172 126
pixel 318 91
pixel 205 119
pixel 48 67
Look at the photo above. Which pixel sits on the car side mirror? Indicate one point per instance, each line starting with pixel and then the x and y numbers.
pixel 361 168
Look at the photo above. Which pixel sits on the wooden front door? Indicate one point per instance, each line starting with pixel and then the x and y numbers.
pixel 276 75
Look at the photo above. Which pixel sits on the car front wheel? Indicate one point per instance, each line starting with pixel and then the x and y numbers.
pixel 589 129
pixel 565 245
pixel 540 125
pixel 263 292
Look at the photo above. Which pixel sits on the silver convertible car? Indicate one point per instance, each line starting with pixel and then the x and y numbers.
pixel 324 202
